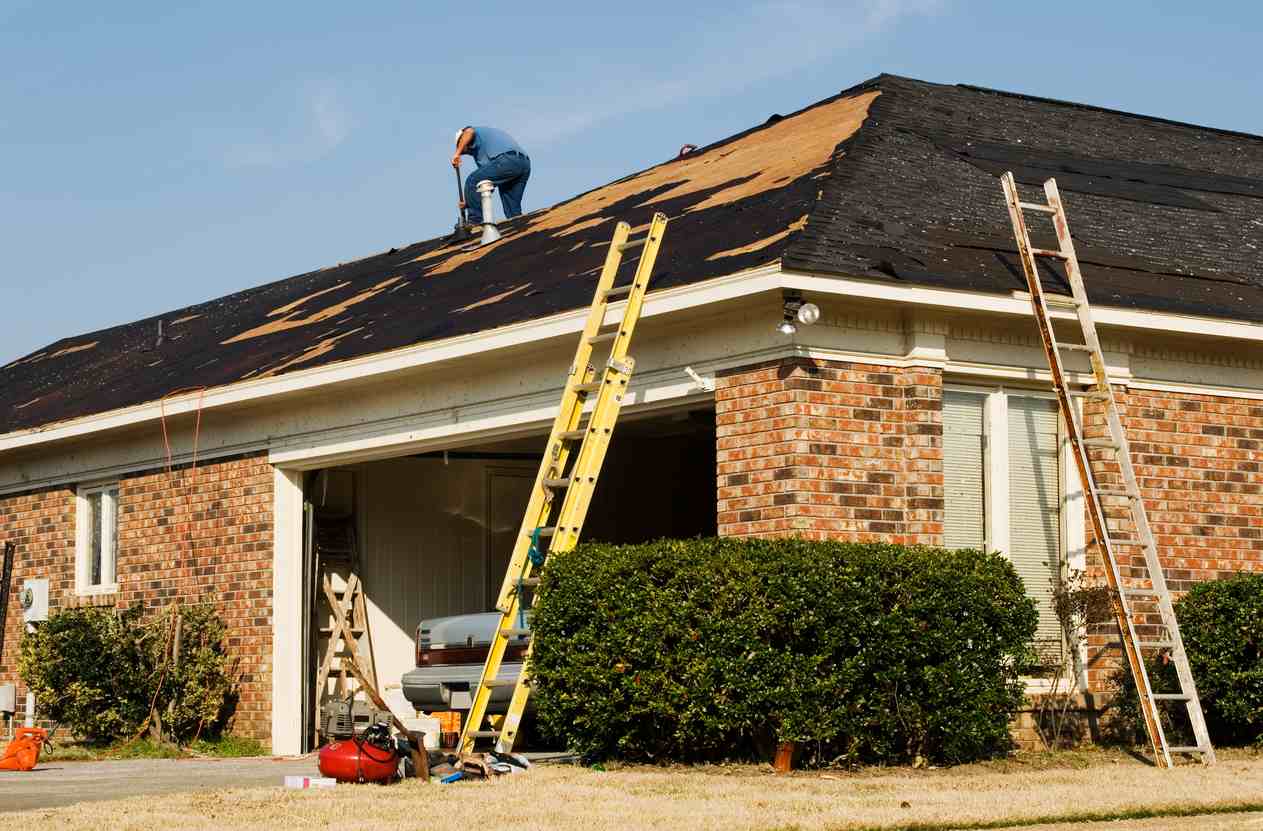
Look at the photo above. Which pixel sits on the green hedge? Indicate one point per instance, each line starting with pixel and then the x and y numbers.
pixel 1221 622
pixel 97 671
pixel 694 649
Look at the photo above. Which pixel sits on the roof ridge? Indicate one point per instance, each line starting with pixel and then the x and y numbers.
pixel 1157 119
pixel 1078 105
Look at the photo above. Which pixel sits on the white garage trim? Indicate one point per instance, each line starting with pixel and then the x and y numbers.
pixel 287 612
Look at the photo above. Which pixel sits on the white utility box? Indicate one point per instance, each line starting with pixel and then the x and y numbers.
pixel 8 699
pixel 35 600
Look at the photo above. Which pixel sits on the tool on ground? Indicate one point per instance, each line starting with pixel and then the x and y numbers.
pixel 571 465
pixel 1094 457
pixel 23 752
pixel 6 578
pixel 462 231
pixel 372 756
pixel 346 716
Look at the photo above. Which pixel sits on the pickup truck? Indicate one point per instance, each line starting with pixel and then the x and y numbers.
pixel 450 656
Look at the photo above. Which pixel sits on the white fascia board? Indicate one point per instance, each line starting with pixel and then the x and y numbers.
pixel 1020 306
pixel 657 303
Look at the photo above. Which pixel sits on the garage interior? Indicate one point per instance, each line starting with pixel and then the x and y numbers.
pixel 435 530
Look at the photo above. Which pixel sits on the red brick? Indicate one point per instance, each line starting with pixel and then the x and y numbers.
pixel 180 539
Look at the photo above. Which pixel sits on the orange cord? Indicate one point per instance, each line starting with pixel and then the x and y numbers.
pixel 166 442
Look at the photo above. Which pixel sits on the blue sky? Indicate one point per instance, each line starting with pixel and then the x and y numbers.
pixel 157 154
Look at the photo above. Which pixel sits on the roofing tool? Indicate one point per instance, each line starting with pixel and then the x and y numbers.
pixel 462 231
pixel 567 475
pixel 1113 460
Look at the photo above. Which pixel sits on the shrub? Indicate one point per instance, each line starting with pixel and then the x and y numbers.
pixel 108 674
pixel 1221 622
pixel 87 669
pixel 686 650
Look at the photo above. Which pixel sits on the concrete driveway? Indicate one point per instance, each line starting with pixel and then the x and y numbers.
pixel 65 783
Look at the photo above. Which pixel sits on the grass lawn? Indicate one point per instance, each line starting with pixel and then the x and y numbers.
pixel 226 747
pixel 1048 791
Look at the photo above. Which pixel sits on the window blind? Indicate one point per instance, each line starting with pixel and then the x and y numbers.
pixel 1035 508
pixel 963 484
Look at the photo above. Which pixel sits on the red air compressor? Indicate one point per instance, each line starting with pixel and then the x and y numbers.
pixel 368 757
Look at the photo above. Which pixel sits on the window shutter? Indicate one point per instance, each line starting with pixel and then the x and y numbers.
pixel 1035 509
pixel 963 490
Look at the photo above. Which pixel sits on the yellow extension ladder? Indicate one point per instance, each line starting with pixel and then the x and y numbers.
pixel 571 465
pixel 1114 451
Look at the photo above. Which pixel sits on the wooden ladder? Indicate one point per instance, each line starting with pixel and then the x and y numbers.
pixel 342 620
pixel 1147 583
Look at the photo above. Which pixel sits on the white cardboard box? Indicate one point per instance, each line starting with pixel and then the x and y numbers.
pixel 309 782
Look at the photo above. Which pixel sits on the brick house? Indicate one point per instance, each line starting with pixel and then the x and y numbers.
pixel 172 457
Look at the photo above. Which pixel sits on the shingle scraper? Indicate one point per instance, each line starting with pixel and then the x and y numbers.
pixel 462 232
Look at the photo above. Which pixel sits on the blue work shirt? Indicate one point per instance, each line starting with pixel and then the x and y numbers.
pixel 489 142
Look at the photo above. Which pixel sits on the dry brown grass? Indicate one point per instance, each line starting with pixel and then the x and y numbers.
pixel 725 797
pixel 1225 822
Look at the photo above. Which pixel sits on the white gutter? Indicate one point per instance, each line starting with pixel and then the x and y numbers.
pixel 1017 304
pixel 666 301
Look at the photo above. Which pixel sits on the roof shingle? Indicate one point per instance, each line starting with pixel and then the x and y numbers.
pixel 893 180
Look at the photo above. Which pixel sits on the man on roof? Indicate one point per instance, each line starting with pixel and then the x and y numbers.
pixel 501 160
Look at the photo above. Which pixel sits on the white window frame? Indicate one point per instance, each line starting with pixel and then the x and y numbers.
pixel 996 519
pixel 83 539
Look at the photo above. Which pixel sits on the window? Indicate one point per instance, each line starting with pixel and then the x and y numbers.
pixel 97 520
pixel 1003 488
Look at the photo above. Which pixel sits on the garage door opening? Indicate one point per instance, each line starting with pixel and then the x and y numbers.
pixel 435 530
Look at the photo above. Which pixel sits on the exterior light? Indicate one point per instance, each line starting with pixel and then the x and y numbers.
pixel 797 311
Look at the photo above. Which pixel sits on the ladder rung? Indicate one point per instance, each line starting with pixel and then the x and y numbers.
pixel 1110 443
pixel 493 684
pixel 1191 748
pixel 1172 697
pixel 557 483
pixel 1122 494
pixel 546 530
pixel 1077 347
pixel 1133 592
pixel 1048 252
pixel 1038 206
pixel 1156 644
pixel 604 336
pixel 1063 300
pixel 589 386
pixel 572 435
pixel 329 630
pixel 514 633
pixel 529 581
pixel 1091 395
pixel 485 734
pixel 632 245
pixel 619 291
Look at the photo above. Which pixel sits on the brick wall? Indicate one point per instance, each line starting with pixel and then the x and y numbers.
pixel 830 449
pixel 41 524
pixel 194 536
pixel 1199 463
